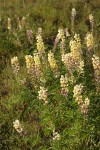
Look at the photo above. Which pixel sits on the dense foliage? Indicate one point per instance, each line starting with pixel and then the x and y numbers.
pixel 49 75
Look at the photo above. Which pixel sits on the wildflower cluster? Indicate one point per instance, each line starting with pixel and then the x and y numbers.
pixel 46 73
pixel 43 94
pixel 72 64
pixel 96 66
pixel 73 60
pixel 83 105
pixel 15 65
pixel 64 85
pixel 18 127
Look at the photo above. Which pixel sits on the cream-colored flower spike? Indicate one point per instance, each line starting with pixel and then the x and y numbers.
pixel 40 44
pixel 15 65
pixel 91 19
pixel 37 64
pixel 90 41
pixel 83 105
pixel 29 63
pixel 64 85
pixel 73 14
pixel 52 61
pixel 43 94
pixel 96 66
pixel 75 46
pixel 78 93
pixel 37 60
pixel 96 62
pixel 9 24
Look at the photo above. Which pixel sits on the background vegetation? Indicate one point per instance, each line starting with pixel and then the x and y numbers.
pixel 18 101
